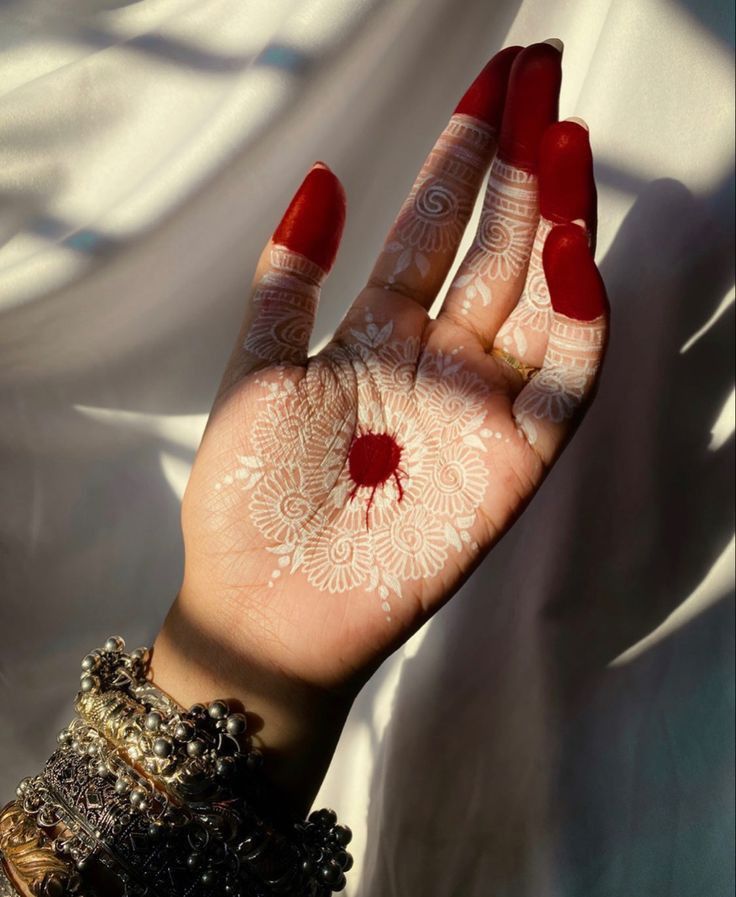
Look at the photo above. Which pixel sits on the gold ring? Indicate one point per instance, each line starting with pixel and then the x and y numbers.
pixel 525 371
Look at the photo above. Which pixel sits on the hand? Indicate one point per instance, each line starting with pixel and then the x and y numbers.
pixel 337 501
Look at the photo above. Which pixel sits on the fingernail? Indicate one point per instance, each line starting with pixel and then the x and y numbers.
pixel 531 104
pixel 566 183
pixel 578 121
pixel 575 286
pixel 312 225
pixel 485 97
pixel 556 43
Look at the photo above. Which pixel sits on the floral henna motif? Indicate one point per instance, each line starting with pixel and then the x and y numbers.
pixel 337 559
pixel 572 358
pixel 534 310
pixel 412 545
pixel 368 470
pixel 285 302
pixel 502 244
pixel 433 218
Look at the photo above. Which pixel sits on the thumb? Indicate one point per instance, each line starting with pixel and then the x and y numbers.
pixel 312 225
pixel 280 315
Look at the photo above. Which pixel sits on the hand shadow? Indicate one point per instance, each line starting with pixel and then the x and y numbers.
pixel 467 782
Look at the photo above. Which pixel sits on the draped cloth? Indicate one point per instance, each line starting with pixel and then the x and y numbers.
pixel 563 727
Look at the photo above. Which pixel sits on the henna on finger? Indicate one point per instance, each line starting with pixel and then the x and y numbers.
pixel 566 193
pixel 426 234
pixel 546 406
pixel 502 244
pixel 489 281
pixel 285 302
pixel 295 262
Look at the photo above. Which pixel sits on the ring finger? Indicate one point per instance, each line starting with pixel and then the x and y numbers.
pixel 566 193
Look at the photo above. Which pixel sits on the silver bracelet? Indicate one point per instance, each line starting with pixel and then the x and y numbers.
pixel 171 800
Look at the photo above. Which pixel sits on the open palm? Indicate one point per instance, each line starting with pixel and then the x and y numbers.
pixel 338 500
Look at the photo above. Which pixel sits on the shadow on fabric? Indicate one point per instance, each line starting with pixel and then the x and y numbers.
pixel 590 790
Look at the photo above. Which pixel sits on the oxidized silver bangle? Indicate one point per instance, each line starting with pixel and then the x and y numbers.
pixel 199 755
pixel 147 853
pixel 99 825
pixel 220 841
pixel 170 799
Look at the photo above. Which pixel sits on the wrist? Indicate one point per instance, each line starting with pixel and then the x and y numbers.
pixel 295 724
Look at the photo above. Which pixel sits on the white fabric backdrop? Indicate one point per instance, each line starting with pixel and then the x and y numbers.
pixel 564 726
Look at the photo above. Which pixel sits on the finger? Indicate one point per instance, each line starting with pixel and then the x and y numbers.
pixel 290 271
pixel 566 193
pixel 547 406
pixel 490 279
pixel 422 243
pixel 567 189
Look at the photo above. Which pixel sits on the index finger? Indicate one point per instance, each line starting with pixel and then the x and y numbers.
pixel 424 239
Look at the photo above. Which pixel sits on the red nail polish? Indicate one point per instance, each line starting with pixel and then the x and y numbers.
pixel 531 104
pixel 313 223
pixel 575 286
pixel 485 97
pixel 566 184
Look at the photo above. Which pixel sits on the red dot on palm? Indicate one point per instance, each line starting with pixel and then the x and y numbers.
pixel 373 460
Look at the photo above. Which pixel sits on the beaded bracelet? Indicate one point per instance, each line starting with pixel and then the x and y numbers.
pixel 171 801
pixel 196 756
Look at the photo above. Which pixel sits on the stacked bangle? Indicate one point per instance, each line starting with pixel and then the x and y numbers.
pixel 168 800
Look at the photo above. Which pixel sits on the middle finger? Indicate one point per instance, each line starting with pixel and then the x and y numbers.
pixel 490 278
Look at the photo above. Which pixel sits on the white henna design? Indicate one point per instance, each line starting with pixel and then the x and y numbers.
pixel 285 302
pixel 475 287
pixel 433 218
pixel 281 506
pixel 571 362
pixel 503 241
pixel 451 394
pixel 368 471
pixel 413 545
pixel 373 336
pixel 456 480
pixel 534 310
pixel 338 559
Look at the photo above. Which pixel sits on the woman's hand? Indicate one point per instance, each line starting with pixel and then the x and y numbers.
pixel 337 501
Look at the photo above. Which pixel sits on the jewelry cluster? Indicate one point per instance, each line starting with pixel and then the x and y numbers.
pixel 161 800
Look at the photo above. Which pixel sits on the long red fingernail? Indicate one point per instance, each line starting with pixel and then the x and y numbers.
pixel 485 97
pixel 575 286
pixel 566 184
pixel 531 104
pixel 313 223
